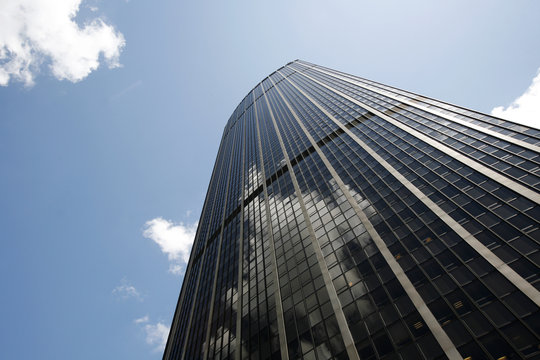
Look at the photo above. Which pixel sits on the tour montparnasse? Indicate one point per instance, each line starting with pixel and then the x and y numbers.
pixel 347 219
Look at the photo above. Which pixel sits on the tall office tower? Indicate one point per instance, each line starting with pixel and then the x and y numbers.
pixel 346 219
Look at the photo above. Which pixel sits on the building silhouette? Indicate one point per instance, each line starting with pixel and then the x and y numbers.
pixel 347 219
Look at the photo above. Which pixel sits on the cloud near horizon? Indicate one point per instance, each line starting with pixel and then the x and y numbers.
pixel 37 32
pixel 175 240
pixel 526 108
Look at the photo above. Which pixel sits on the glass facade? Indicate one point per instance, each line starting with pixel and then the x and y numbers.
pixel 346 219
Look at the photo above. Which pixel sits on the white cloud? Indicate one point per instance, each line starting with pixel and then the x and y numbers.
pixel 156 334
pixel 175 240
pixel 34 32
pixel 126 291
pixel 526 108
pixel 142 320
pixel 176 269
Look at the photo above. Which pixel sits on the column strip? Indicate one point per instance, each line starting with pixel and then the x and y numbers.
pixel 206 342
pixel 336 305
pixel 279 306
pixel 240 283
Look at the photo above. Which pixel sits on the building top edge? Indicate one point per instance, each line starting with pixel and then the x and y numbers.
pixel 232 119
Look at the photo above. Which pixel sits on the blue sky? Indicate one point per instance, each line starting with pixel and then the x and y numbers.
pixel 111 115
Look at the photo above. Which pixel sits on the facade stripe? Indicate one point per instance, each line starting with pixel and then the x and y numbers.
pixel 239 282
pixel 218 259
pixel 277 294
pixel 340 316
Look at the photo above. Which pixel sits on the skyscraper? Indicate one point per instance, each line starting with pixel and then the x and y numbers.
pixel 346 219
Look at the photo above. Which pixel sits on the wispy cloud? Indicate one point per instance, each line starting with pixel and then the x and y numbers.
pixel 126 90
pixel 36 32
pixel 126 291
pixel 156 334
pixel 526 108
pixel 142 320
pixel 174 239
